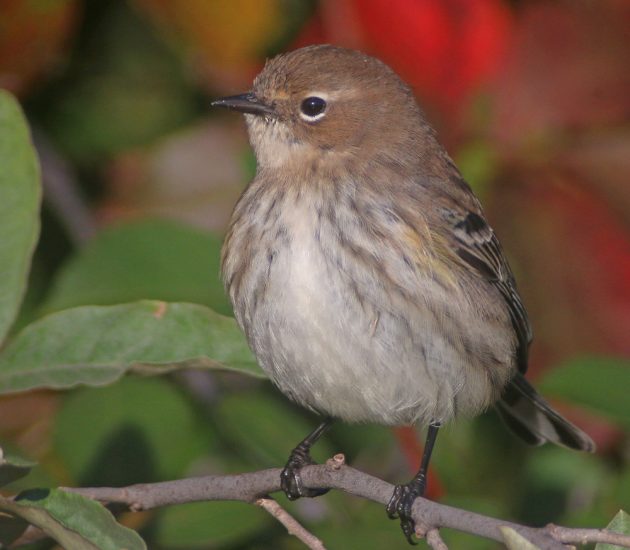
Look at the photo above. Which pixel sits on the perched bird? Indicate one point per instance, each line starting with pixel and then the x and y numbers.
pixel 362 269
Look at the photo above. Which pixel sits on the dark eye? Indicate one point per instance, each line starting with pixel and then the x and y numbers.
pixel 313 108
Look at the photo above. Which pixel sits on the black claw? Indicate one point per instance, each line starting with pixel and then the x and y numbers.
pixel 392 505
pixel 401 503
pixel 290 478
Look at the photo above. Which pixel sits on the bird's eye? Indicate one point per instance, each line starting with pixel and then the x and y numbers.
pixel 313 108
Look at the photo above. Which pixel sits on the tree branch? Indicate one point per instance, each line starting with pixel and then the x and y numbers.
pixel 250 487
pixel 292 525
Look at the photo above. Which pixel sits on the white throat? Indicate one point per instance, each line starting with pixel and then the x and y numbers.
pixel 273 142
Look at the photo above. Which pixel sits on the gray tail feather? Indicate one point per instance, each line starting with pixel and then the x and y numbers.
pixel 530 417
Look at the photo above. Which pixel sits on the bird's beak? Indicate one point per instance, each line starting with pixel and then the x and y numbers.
pixel 245 103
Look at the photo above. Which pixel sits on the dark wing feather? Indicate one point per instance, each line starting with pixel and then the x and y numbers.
pixel 526 413
pixel 479 247
pixel 520 406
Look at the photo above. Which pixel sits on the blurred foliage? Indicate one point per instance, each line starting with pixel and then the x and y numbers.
pixel 154 258
pixel 531 98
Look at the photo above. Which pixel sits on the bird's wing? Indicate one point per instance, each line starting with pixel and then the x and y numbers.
pixel 476 244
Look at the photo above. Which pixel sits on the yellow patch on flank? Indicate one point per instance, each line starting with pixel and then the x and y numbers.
pixel 430 253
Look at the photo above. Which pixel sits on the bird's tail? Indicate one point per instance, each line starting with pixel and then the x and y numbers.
pixel 530 417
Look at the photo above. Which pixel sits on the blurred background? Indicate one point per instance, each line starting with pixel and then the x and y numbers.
pixel 531 98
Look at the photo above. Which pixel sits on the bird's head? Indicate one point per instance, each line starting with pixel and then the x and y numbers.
pixel 324 102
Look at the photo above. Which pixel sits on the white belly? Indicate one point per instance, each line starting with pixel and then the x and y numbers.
pixel 337 343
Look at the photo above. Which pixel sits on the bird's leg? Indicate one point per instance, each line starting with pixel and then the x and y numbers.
pixel 290 479
pixel 399 506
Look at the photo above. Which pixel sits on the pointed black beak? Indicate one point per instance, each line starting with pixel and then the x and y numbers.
pixel 245 103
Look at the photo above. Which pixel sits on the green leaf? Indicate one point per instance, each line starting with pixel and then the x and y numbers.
pixel 13 467
pixel 619 524
pixel 20 196
pixel 209 524
pixel 138 430
pixel 596 382
pixel 95 345
pixel 515 541
pixel 150 259
pixel 75 522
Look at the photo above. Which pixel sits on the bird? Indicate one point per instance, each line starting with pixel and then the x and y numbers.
pixel 362 269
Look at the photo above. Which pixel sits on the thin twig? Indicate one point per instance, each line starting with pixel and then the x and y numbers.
pixel 434 540
pixel 249 487
pixel 62 192
pixel 29 536
pixel 293 526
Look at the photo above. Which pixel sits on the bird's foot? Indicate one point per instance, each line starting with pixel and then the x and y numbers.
pixel 399 506
pixel 291 479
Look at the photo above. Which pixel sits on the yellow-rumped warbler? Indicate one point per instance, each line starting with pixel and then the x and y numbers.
pixel 362 270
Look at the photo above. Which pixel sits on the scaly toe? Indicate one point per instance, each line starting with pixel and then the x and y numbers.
pixel 408 527
pixel 400 506
pixel 291 483
pixel 392 505
pixel 291 480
